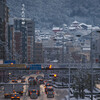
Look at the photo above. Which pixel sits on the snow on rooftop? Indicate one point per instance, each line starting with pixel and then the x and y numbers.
pixel 95 28
pixel 56 28
pixel 72 28
pixel 75 22
pixel 73 98
pixel 68 35
pixel 86 49
pixel 85 25
pixel 65 25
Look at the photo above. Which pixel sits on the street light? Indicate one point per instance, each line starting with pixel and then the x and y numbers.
pixel 9 73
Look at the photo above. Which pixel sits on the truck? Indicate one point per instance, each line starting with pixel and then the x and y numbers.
pixel 8 90
pixel 18 88
pixel 33 84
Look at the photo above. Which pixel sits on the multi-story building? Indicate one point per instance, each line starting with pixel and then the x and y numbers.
pixel 30 49
pixel 38 53
pixel 20 27
pixel 94 46
pixel 28 38
pixel 52 53
pixel 10 41
pixel 4 10
pixel 96 51
pixel 4 76
pixel 18 46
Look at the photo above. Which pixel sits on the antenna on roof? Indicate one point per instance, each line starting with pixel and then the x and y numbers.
pixel 23 14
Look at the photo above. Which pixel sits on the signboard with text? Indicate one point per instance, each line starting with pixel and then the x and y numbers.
pixel 34 67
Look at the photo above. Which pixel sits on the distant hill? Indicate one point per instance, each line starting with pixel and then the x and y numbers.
pixel 56 12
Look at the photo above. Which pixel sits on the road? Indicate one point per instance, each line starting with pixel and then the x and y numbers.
pixel 59 93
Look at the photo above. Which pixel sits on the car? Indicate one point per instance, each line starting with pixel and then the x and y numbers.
pixel 46 85
pixel 30 78
pixel 39 77
pixel 50 92
pixel 49 81
pixel 97 97
pixel 15 96
pixel 34 94
pixel 22 80
pixel 14 80
pixel 41 81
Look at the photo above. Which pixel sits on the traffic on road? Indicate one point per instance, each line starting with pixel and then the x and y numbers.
pixel 29 87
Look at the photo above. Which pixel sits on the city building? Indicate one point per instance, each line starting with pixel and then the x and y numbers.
pixel 56 29
pixel 96 51
pixel 30 49
pixel 30 40
pixel 4 15
pixel 18 46
pixel 10 41
pixel 52 53
pixel 27 28
pixel 4 76
pixel 39 58
pixel 19 26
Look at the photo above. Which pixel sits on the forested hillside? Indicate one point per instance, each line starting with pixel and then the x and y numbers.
pixel 56 12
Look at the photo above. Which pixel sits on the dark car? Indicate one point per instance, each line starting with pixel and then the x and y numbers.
pixel 46 85
pixel 41 81
pixel 34 94
pixel 14 80
pixel 22 80
pixel 30 78
pixel 15 96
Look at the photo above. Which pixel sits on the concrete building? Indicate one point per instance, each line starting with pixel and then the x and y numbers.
pixel 96 51
pixel 30 49
pixel 10 41
pixel 52 53
pixel 38 53
pixel 4 15
pixel 4 76
pixel 18 46
pixel 28 38
pixel 20 27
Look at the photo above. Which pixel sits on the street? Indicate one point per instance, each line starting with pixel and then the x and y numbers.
pixel 59 93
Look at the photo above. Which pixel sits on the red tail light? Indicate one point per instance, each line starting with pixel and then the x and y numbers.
pixel 30 92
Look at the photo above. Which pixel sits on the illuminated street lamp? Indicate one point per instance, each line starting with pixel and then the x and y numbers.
pixel 55 75
pixel 9 73
pixel 12 63
pixel 50 66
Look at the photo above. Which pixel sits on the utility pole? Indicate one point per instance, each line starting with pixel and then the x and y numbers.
pixel 91 63
pixel 69 82
pixel 63 58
